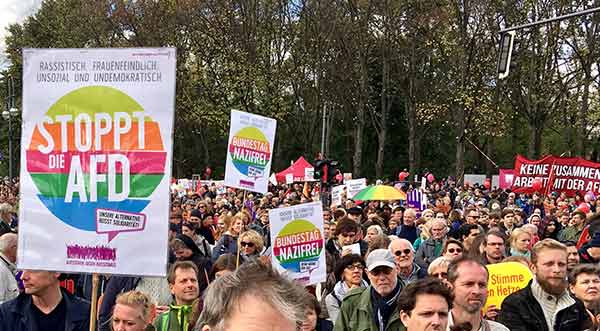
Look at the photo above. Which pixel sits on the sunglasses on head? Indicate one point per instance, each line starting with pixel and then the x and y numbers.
pixel 249 244
pixel 452 250
pixel 399 252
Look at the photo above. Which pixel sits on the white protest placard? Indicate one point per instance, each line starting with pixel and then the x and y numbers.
pixel 289 178
pixel 336 194
pixel 96 160
pixel 309 174
pixel 249 152
pixel 298 244
pixel 355 185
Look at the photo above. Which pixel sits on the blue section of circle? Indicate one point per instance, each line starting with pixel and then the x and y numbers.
pixel 295 266
pixel 82 215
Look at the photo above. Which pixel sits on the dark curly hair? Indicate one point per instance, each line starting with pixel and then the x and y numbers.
pixel 344 262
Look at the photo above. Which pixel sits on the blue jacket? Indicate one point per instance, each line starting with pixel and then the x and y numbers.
pixel 16 314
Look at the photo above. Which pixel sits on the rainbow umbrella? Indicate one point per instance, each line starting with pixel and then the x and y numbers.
pixel 379 192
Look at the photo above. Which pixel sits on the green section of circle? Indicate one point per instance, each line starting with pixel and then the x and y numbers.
pixel 94 99
pixel 296 226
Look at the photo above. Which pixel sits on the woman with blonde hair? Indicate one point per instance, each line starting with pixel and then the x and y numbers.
pixel 519 243
pixel 250 244
pixel 133 311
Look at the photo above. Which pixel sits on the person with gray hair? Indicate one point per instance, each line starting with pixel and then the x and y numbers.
pixel 8 257
pixel 254 298
pixel 5 218
pixel 404 255
pixel 432 247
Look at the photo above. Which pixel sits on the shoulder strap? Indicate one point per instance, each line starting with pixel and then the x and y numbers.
pixel 339 301
pixel 5 262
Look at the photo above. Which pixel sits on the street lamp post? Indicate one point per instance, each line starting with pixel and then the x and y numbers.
pixel 10 112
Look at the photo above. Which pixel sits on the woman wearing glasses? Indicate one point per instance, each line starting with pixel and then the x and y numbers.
pixel 452 249
pixel 349 274
pixel 250 245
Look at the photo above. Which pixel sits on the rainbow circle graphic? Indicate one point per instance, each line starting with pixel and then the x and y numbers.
pixel 297 245
pixel 250 151
pixel 97 114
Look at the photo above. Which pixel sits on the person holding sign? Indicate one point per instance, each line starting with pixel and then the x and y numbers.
pixel 44 306
pixel 468 278
pixel 545 304
pixel 183 282
pixel 133 312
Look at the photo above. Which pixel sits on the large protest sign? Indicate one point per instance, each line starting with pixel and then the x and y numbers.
pixel 251 139
pixel 298 243
pixel 416 200
pixel 504 279
pixel 570 175
pixel 96 151
pixel 354 186
pixel 337 195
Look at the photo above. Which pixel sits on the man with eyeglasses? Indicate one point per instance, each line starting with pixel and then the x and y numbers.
pixel 584 284
pixel 473 218
pixel 495 247
pixel 404 257
pixel 375 307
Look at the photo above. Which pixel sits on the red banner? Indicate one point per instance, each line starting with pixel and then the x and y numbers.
pixel 556 174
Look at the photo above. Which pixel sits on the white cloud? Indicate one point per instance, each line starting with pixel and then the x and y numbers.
pixel 13 11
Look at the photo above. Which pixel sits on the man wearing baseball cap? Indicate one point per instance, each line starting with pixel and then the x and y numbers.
pixel 375 307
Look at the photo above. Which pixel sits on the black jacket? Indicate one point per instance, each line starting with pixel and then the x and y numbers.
pixel 16 314
pixel 522 312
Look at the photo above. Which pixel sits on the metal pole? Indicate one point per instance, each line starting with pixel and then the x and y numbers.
pixel 323 130
pixel 550 20
pixel 10 147
pixel 10 104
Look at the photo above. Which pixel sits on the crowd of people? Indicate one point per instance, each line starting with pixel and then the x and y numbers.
pixel 389 266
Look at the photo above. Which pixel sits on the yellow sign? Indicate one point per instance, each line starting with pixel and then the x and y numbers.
pixel 504 279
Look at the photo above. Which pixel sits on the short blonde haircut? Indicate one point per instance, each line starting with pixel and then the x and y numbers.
pixel 253 237
pixel 515 234
pixel 137 299
pixel 546 244
pixel 440 262
pixel 377 229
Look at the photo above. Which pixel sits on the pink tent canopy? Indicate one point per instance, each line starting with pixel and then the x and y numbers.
pixel 297 170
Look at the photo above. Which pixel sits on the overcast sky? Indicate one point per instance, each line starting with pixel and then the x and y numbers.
pixel 13 11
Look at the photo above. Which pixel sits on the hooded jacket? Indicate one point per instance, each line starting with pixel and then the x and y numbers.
pixel 333 300
pixel 203 263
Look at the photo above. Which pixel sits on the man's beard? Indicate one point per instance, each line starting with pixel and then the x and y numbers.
pixel 551 288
